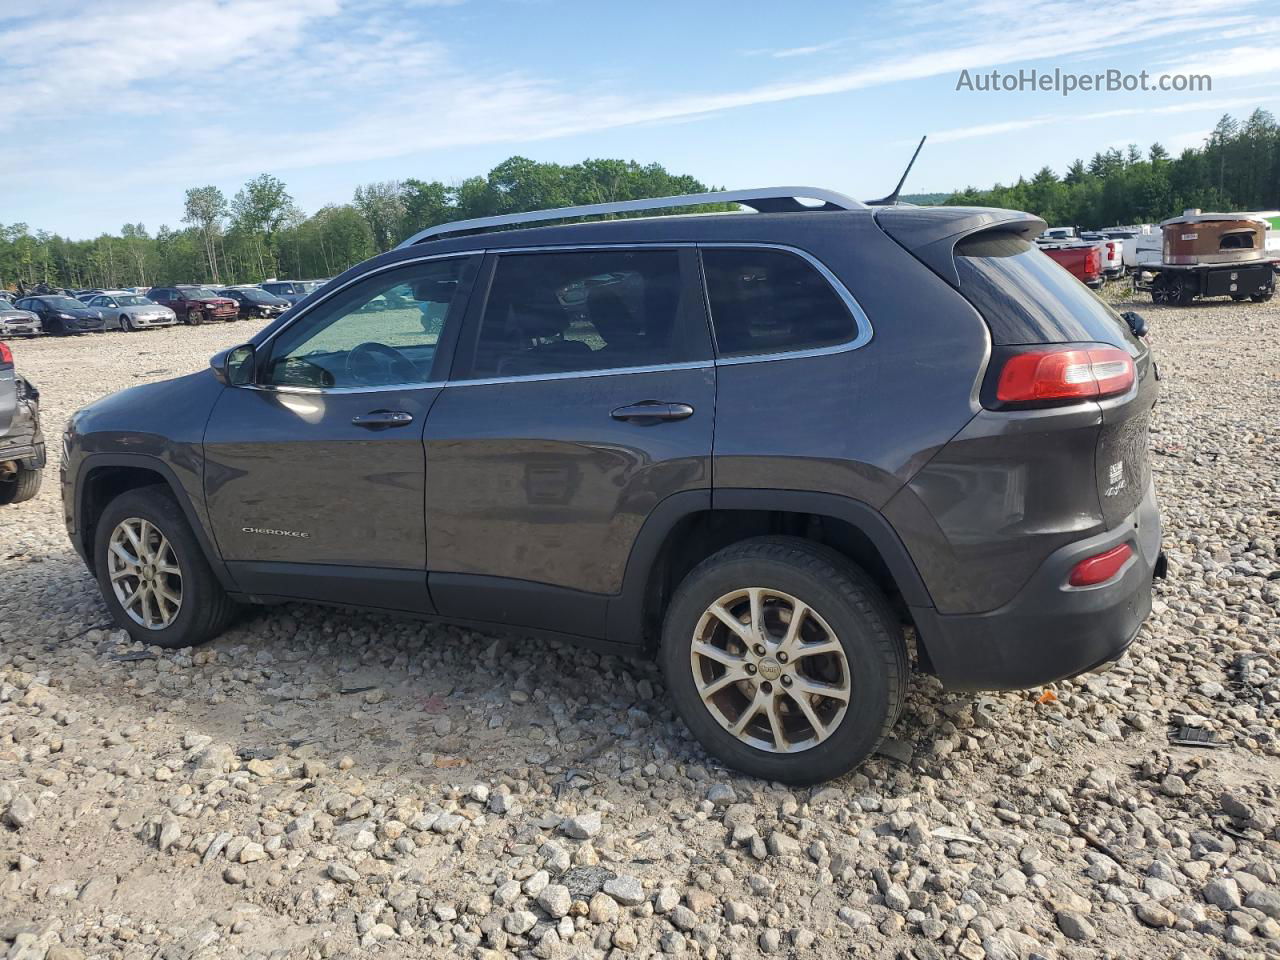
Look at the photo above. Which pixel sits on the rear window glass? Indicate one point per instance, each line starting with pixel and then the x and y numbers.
pixel 1026 297
pixel 770 301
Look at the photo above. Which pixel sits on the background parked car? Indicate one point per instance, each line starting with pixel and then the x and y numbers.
pixel 63 315
pixel 194 305
pixel 17 323
pixel 255 302
pixel 130 312
pixel 290 290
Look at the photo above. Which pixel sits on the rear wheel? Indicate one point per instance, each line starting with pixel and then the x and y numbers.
pixel 784 659
pixel 153 574
pixel 1182 291
pixel 21 486
pixel 1262 297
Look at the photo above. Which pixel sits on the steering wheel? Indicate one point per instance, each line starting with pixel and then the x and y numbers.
pixel 377 364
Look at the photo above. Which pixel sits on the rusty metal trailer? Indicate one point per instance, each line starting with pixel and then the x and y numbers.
pixel 1211 255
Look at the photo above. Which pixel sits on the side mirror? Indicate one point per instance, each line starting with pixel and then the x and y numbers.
pixel 235 367
pixel 1136 321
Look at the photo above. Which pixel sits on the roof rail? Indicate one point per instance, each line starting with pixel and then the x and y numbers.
pixel 762 200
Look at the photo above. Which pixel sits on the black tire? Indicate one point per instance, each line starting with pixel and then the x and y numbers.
pixel 194 318
pixel 205 610
pixel 1262 297
pixel 21 487
pixel 126 325
pixel 850 603
pixel 1182 292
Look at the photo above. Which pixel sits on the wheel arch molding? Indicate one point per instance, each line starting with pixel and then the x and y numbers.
pixel 688 526
pixel 101 477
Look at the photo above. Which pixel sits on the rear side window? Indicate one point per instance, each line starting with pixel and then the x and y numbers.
pixel 1026 297
pixel 576 311
pixel 769 301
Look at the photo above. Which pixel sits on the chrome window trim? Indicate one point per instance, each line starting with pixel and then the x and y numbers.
pixel 321 391
pixel 583 374
pixel 860 319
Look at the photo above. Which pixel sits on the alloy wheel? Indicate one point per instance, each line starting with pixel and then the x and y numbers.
pixel 770 670
pixel 145 575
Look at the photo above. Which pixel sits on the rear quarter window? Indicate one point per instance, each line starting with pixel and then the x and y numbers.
pixel 772 301
pixel 1026 297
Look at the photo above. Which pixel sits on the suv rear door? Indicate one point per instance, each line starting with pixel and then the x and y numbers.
pixel 314 473
pixel 582 396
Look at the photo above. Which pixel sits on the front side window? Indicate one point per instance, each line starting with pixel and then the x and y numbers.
pixel 347 342
pixel 582 310
pixel 772 301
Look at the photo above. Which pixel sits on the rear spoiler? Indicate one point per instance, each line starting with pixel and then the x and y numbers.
pixel 930 234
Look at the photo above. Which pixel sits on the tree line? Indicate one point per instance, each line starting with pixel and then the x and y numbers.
pixel 260 232
pixel 1237 168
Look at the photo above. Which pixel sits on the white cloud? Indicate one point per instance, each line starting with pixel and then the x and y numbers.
pixel 1008 126
pixel 361 80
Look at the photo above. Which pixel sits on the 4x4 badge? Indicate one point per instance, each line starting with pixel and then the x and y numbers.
pixel 1115 479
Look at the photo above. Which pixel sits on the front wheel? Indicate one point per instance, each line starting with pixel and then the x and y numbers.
pixel 126 324
pixel 784 659
pixel 195 318
pixel 153 574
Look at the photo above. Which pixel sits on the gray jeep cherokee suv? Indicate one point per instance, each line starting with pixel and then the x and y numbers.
pixel 757 446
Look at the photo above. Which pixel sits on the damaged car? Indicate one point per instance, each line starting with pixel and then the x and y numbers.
pixel 22 455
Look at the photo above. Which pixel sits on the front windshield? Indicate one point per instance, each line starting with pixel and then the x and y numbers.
pixel 133 301
pixel 200 294
pixel 63 303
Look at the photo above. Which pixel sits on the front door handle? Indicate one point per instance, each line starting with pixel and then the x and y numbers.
pixel 648 412
pixel 378 419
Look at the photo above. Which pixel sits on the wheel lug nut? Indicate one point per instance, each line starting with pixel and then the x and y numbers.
pixel 751 669
pixel 786 681
pixel 759 649
pixel 782 658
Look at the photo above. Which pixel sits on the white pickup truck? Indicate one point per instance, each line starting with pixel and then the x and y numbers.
pixel 1112 250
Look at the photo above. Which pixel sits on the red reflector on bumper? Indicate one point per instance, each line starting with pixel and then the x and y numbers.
pixel 1101 568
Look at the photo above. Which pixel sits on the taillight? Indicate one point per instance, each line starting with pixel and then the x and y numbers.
pixel 1070 373
pixel 6 355
pixel 1100 568
pixel 1111 251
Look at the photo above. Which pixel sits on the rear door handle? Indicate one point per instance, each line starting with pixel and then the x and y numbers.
pixel 376 419
pixel 648 412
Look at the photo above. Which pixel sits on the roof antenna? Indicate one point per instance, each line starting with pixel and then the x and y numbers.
pixel 892 198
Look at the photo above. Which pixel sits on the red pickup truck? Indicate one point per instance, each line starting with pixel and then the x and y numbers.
pixel 1082 260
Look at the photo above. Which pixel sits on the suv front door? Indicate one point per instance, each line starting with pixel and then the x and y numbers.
pixel 314 473
pixel 582 397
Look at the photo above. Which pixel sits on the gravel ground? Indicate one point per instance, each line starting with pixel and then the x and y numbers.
pixel 317 783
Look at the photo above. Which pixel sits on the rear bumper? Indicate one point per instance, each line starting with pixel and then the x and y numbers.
pixel 27 454
pixel 1050 631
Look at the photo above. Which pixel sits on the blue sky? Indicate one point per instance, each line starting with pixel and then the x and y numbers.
pixel 109 109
